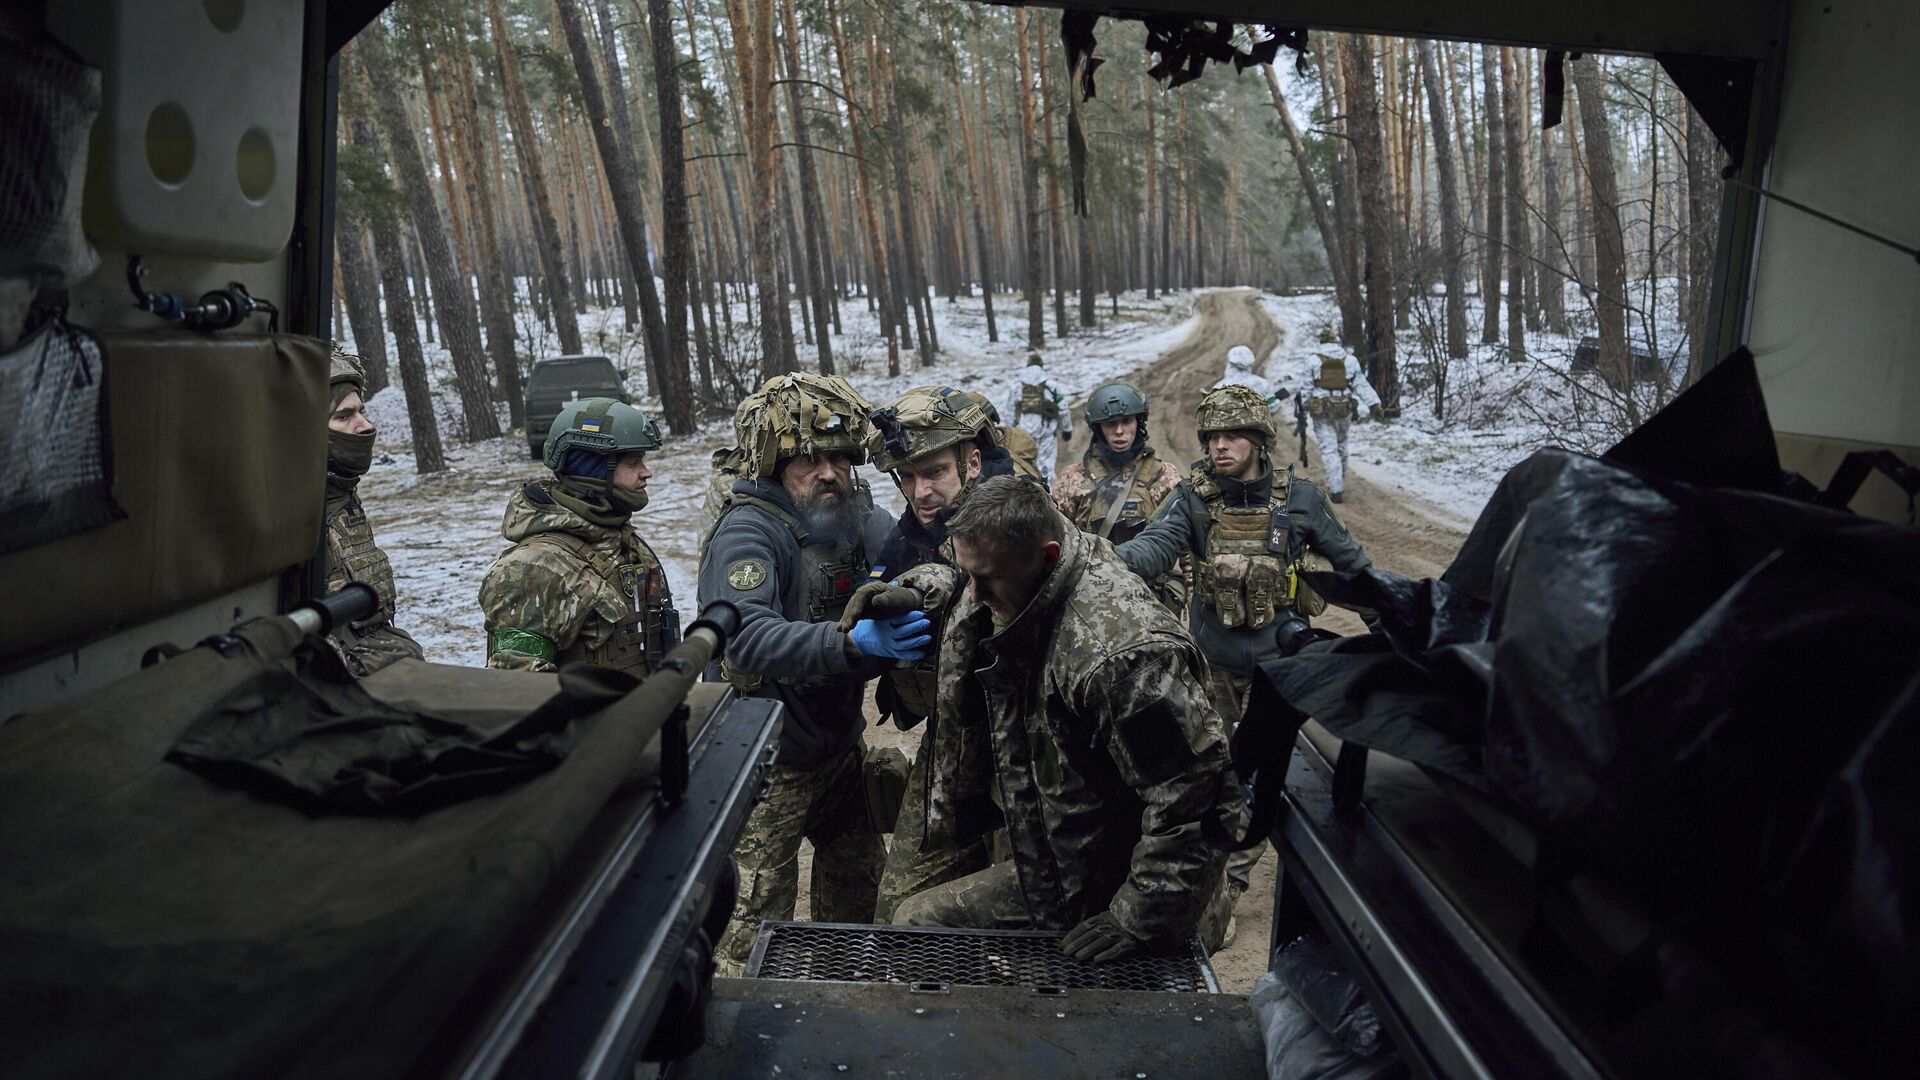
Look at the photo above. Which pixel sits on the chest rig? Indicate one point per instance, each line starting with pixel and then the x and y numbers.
pixel 640 638
pixel 1336 396
pixel 1036 401
pixel 352 556
pixel 1130 487
pixel 1251 571
pixel 829 574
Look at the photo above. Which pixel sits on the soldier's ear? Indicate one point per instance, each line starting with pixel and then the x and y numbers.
pixel 1050 551
pixel 973 462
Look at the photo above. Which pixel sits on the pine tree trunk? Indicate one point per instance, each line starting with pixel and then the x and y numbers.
pixel 459 324
pixel 1452 229
pixel 1056 215
pixel 1553 279
pixel 1496 194
pixel 1609 247
pixel 1345 290
pixel 363 298
pixel 877 281
pixel 1702 229
pixel 528 151
pixel 983 252
pixel 912 271
pixel 1518 248
pixel 1030 186
pixel 389 250
pixel 676 242
pixel 1370 165
pixel 1153 181
pixel 812 216
pixel 1345 203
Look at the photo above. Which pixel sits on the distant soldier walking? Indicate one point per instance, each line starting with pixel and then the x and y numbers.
pixel 1240 372
pixel 579 585
pixel 372 643
pixel 1075 714
pixel 1039 409
pixel 1340 391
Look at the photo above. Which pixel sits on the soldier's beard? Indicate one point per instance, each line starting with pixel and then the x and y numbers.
pixel 828 511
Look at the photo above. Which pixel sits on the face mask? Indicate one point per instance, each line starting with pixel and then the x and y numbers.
pixel 349 455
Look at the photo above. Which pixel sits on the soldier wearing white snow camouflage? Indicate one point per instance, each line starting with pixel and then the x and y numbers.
pixel 1240 372
pixel 1040 409
pixel 1340 391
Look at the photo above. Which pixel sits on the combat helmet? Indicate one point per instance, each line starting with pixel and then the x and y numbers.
pixel 346 373
pixel 599 425
pixel 923 420
pixel 1327 336
pixel 800 413
pixel 1235 408
pixel 1113 400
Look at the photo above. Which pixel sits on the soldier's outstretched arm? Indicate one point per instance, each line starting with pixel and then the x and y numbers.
pixel 1171 749
pixel 743 565
pixel 1167 537
pixel 532 610
pixel 1325 533
pixel 1362 389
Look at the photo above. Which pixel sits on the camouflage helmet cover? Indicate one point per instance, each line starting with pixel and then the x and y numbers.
pixel 347 372
pixel 1113 400
pixel 1327 336
pixel 1235 408
pixel 923 420
pixel 600 425
pixel 800 413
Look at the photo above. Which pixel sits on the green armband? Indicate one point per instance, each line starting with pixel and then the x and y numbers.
pixel 525 642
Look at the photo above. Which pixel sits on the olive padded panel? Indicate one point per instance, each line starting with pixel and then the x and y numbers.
pixel 219 458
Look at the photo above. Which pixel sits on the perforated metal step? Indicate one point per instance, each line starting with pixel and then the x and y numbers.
pixel 935 958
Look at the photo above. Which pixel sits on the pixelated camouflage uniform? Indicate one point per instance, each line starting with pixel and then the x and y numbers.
pixel 1084 726
pixel 1086 492
pixel 352 555
pixel 566 590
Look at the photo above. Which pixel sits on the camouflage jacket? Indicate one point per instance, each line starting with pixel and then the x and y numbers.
pixel 352 555
pixel 1079 494
pixel 566 591
pixel 1085 727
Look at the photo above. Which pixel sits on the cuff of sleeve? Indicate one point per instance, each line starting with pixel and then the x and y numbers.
pixel 835 647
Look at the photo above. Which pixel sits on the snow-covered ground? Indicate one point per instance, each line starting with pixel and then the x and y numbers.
pixel 443 531
pixel 1496 410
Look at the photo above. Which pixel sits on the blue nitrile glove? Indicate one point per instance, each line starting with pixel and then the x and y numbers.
pixel 901 637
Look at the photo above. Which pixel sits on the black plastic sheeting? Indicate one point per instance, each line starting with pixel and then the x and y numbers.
pixel 1706 692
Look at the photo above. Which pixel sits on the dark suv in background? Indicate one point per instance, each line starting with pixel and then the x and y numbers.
pixel 556 381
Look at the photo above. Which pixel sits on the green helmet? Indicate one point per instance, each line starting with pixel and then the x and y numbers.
pixel 1235 408
pixel 1113 400
pixel 601 425
pixel 1327 336
pixel 800 413
pixel 923 420
pixel 347 373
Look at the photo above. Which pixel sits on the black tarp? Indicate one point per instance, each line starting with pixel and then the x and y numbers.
pixel 1703 691
pixel 155 924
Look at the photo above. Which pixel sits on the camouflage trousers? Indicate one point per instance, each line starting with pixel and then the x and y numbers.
pixel 991 899
pixel 1229 693
pixel 911 866
pixel 827 806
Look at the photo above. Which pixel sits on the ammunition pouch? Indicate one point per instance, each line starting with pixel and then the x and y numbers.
pixel 1332 406
pixel 885 770
pixel 1035 401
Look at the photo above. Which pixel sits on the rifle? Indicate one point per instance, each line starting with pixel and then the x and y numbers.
pixel 1300 427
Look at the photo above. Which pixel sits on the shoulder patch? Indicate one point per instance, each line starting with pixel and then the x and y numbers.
pixel 747 574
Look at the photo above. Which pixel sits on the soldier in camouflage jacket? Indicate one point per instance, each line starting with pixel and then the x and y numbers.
pixel 579 585
pixel 372 643
pixel 1073 710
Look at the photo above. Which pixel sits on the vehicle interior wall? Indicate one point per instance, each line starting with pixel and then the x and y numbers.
pixel 1835 323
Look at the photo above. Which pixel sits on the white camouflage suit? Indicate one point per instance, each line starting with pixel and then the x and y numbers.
pixel 1042 429
pixel 1240 373
pixel 1333 411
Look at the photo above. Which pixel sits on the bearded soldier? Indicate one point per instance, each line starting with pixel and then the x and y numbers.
pixel 1248 531
pixel 930 440
pixel 1039 409
pixel 579 584
pixel 373 642
pixel 1340 391
pixel 789 551
pixel 1078 706
pixel 1119 483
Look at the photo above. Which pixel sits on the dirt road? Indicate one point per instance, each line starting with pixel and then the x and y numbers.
pixel 1399 534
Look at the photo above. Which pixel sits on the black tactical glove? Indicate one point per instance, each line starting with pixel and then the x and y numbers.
pixel 1291 631
pixel 1099 940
